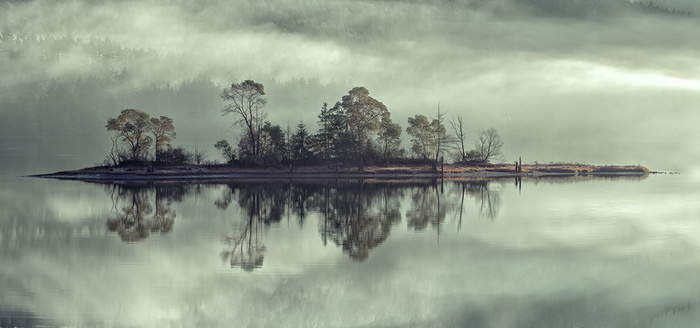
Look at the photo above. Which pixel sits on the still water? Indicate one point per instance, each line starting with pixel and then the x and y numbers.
pixel 549 252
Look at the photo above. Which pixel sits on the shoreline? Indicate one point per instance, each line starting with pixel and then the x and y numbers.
pixel 198 173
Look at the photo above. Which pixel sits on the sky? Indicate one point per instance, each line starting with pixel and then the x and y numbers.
pixel 599 81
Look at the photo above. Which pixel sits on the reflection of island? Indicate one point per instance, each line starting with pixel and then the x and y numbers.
pixel 246 249
pixel 489 200
pixel 358 216
pixel 426 206
pixel 136 218
pixel 432 202
pixel 262 207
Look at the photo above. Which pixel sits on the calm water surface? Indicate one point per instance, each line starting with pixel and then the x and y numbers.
pixel 564 252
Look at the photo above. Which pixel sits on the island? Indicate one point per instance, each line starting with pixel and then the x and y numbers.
pixel 399 171
pixel 356 138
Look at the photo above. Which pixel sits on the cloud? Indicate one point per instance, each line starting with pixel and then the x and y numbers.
pixel 482 59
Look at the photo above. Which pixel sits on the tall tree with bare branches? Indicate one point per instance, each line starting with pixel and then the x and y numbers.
pixel 460 137
pixel 442 141
pixel 247 105
pixel 489 144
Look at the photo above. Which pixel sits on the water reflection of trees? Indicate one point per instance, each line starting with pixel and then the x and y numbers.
pixel 488 199
pixel 246 248
pixel 356 215
pixel 262 206
pixel 432 202
pixel 425 207
pixel 136 216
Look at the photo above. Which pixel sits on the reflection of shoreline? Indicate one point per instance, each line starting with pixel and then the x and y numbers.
pixel 200 174
pixel 584 178
pixel 246 178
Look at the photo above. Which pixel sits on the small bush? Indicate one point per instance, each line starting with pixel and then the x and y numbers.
pixel 175 156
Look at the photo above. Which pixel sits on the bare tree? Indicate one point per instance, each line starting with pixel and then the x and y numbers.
pixel 460 137
pixel 116 153
pixel 247 105
pixel 442 141
pixel 489 144
pixel 199 155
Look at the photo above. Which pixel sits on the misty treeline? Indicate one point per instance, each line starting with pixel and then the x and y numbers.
pixel 97 76
pixel 335 18
pixel 56 83
pixel 358 129
pixel 596 8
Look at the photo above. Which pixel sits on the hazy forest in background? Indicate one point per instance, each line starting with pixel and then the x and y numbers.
pixel 78 102
pixel 78 105
pixel 61 83
pixel 49 80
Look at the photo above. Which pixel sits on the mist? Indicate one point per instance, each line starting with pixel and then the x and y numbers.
pixel 603 81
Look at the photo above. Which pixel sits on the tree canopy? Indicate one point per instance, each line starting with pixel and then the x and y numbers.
pixel 247 105
pixel 132 125
pixel 356 130
pixel 163 132
pixel 363 115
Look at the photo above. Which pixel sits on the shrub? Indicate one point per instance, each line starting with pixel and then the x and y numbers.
pixel 175 156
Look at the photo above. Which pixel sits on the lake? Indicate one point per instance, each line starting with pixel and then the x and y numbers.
pixel 547 252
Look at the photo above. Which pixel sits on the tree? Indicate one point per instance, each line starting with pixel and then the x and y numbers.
pixel 225 149
pixel 132 125
pixel 163 132
pixel 430 138
pixel 333 139
pixel 458 129
pixel 330 125
pixel 423 141
pixel 439 134
pixel 300 143
pixel 274 145
pixel 389 138
pixel 489 144
pixel 199 155
pixel 362 114
pixel 116 153
pixel 247 106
